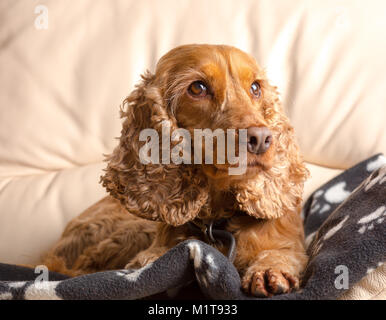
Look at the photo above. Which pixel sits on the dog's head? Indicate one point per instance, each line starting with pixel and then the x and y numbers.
pixel 197 88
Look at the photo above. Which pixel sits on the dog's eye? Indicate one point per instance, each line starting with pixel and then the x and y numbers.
pixel 198 89
pixel 255 89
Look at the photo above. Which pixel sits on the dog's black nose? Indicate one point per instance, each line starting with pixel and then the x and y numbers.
pixel 259 139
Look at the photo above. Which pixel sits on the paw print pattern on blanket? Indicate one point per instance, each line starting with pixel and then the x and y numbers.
pixel 379 177
pixel 206 268
pixel 331 231
pixel 377 216
pixel 378 162
pixel 329 196
pixel 323 199
pixel 40 290
pixel 367 222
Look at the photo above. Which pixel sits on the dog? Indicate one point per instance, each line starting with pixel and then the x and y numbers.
pixel 151 206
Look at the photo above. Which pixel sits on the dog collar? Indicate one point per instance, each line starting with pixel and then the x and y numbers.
pixel 214 233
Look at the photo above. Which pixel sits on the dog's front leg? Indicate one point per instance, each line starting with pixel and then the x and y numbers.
pixel 273 272
pixel 147 256
pixel 166 238
pixel 271 257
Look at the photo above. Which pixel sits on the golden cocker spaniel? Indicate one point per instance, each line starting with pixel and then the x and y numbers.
pixel 151 205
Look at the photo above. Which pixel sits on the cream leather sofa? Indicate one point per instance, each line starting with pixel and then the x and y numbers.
pixel 66 66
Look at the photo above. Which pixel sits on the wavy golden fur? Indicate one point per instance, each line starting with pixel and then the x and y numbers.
pixel 269 235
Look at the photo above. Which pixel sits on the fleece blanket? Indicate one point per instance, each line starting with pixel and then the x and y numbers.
pixel 345 225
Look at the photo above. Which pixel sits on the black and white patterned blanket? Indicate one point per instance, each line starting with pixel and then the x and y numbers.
pixel 345 224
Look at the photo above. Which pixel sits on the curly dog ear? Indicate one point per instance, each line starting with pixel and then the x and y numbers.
pixel 171 193
pixel 279 190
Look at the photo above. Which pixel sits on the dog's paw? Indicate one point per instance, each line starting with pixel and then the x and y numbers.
pixel 142 259
pixel 266 283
